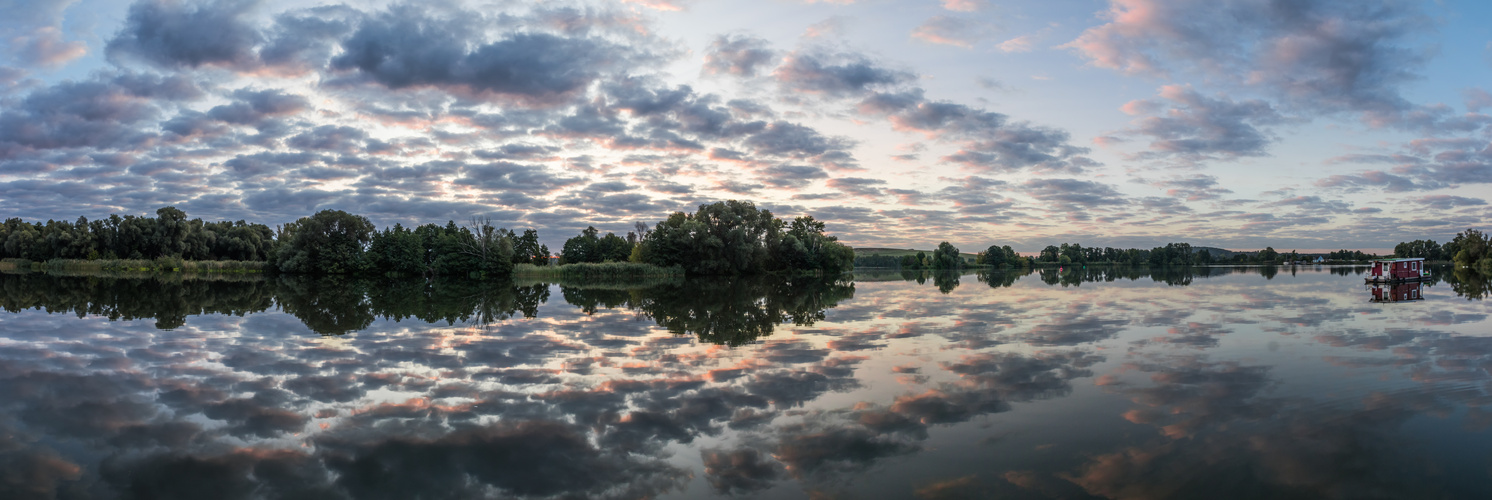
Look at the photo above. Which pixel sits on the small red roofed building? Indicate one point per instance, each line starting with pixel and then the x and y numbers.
pixel 1390 270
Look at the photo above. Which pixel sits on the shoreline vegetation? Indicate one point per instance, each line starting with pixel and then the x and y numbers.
pixel 729 238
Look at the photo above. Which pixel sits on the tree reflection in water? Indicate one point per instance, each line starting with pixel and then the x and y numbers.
pixel 722 311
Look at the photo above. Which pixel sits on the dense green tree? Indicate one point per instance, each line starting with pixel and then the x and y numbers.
pixel 996 256
pixel 1049 254
pixel 1349 255
pixel 1267 255
pixel 1472 249
pixel 1073 251
pixel 1425 249
pixel 171 232
pixel 582 248
pixel 527 250
pixel 734 237
pixel 723 238
pixel 398 251
pixel 805 246
pixel 330 242
pixel 946 257
pixel 490 247
pixel 1173 254
pixel 612 248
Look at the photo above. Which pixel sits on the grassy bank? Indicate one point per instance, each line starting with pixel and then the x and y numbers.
pixel 162 265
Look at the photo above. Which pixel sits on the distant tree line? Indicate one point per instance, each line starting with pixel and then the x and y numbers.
pixel 1173 254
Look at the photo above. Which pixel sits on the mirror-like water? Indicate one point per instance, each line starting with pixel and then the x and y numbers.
pixel 1212 382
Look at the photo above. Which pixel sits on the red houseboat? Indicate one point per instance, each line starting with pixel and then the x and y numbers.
pixel 1391 270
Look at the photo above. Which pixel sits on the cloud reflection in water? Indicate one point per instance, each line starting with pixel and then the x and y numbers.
pixel 1107 383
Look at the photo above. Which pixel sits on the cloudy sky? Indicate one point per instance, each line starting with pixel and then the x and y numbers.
pixel 1306 124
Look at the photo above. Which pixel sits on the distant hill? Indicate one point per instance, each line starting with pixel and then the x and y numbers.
pixel 897 252
pixel 1218 252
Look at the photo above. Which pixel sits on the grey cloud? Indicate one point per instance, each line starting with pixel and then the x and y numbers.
pixel 1194 188
pixel 612 204
pixel 518 151
pixel 1448 202
pixel 1200 127
pixel 1375 158
pixel 172 34
pixel 270 163
pixel 989 142
pixel 857 186
pixel 255 417
pixel 812 452
pixel 533 179
pixel 1315 204
pixel 835 74
pixel 1427 164
pixel 790 140
pixel 791 176
pixel 740 471
pixel 1324 55
pixel 1378 179
pixel 1085 194
pixel 254 105
pixel 305 39
pixel 668 112
pixel 738 55
pixel 100 113
pixel 334 138
pixel 911 111
pixel 406 47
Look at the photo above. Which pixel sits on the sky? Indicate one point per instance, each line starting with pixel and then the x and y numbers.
pixel 1310 124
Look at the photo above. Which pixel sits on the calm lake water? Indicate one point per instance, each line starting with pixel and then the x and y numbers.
pixel 1208 383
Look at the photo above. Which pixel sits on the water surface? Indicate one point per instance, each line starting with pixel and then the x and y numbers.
pixel 1212 382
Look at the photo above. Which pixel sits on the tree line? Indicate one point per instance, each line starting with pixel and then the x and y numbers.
pixel 946 256
pixel 168 234
pixel 1470 248
pixel 724 238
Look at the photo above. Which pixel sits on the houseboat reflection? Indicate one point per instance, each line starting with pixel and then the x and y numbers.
pixel 1398 292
